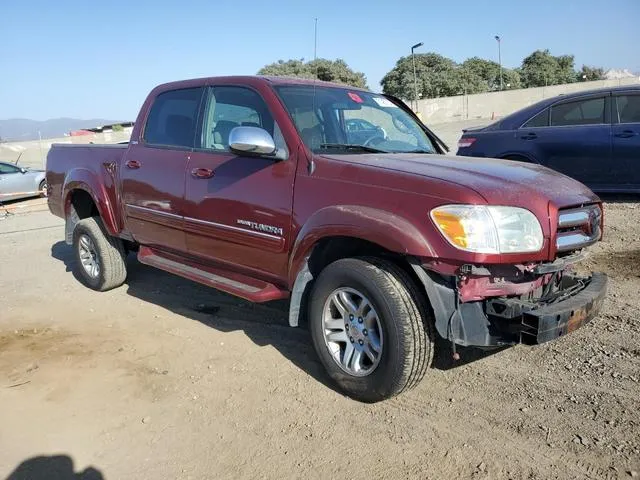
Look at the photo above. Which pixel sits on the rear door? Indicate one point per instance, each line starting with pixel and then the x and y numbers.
pixel 573 137
pixel 153 170
pixel 239 207
pixel 626 137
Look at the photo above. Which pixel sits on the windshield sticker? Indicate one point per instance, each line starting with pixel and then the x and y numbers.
pixel 383 102
pixel 355 97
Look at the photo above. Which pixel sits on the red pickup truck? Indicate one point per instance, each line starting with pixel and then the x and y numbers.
pixel 343 201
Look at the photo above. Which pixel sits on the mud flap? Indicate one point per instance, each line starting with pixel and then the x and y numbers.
pixel 303 281
pixel 70 225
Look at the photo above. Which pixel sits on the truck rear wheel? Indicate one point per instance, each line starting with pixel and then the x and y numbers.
pixel 100 258
pixel 371 328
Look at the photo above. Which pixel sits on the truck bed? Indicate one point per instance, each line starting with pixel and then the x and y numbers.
pixel 90 160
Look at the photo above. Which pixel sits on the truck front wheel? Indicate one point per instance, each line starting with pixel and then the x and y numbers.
pixel 100 258
pixel 371 328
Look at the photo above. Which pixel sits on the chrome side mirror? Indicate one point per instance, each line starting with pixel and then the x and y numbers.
pixel 251 140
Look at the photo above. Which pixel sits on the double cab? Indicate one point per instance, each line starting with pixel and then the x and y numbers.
pixel 342 201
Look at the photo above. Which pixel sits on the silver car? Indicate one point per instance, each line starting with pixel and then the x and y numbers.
pixel 17 182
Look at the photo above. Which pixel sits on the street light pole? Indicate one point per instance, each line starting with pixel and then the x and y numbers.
pixel 42 158
pixel 498 39
pixel 415 80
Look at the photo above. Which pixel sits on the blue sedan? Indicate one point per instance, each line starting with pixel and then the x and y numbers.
pixel 592 136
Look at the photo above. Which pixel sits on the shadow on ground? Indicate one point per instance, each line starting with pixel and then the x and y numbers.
pixel 264 324
pixel 622 265
pixel 57 467
pixel 619 197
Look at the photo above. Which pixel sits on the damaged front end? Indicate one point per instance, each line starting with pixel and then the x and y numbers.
pixel 492 306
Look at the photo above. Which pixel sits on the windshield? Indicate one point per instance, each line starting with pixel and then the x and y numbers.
pixel 352 121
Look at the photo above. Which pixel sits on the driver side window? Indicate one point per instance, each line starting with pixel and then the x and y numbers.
pixel 231 107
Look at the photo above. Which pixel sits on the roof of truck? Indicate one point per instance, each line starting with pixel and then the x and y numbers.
pixel 306 81
pixel 274 80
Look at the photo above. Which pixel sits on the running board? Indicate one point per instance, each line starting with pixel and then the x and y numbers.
pixel 230 282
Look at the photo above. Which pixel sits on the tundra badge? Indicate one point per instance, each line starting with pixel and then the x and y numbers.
pixel 261 227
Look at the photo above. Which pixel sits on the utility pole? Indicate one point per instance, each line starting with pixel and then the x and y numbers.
pixel 315 39
pixel 498 39
pixel 415 78
pixel 42 159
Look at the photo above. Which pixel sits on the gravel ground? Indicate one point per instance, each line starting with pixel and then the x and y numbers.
pixel 164 378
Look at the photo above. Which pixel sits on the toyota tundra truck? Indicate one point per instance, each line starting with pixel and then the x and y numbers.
pixel 342 201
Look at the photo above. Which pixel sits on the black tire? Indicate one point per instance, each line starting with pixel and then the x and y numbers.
pixel 405 318
pixel 109 251
pixel 42 188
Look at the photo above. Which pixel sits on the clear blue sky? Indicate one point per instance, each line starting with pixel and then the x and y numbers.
pixel 86 59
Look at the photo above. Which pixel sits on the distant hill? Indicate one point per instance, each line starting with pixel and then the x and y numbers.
pixel 21 129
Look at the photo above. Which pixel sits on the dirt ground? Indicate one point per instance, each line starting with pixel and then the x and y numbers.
pixel 163 378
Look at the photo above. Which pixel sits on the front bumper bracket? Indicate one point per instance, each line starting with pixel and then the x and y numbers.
pixel 557 319
pixel 502 321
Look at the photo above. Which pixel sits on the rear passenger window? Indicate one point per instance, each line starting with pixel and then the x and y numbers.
pixel 173 118
pixel 580 112
pixel 628 108
pixel 540 120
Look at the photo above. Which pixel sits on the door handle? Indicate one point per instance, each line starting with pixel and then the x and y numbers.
pixel 626 134
pixel 202 172
pixel 133 164
pixel 529 136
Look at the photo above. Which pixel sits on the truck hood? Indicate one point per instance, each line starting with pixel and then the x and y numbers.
pixel 499 182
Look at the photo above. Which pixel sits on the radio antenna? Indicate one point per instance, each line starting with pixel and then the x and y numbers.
pixel 312 164
pixel 315 41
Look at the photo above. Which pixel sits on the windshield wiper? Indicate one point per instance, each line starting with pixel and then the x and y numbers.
pixel 417 150
pixel 351 146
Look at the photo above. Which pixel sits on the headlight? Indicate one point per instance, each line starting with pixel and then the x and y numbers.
pixel 487 229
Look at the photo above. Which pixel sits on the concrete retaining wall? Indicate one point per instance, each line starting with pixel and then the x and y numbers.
pixel 499 104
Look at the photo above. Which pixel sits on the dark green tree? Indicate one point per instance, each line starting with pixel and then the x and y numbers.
pixel 541 68
pixel 327 70
pixel 566 71
pixel 290 68
pixel 437 76
pixel 488 73
pixel 588 74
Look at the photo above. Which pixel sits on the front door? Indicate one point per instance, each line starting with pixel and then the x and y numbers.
pixel 239 207
pixel 153 170
pixel 626 137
